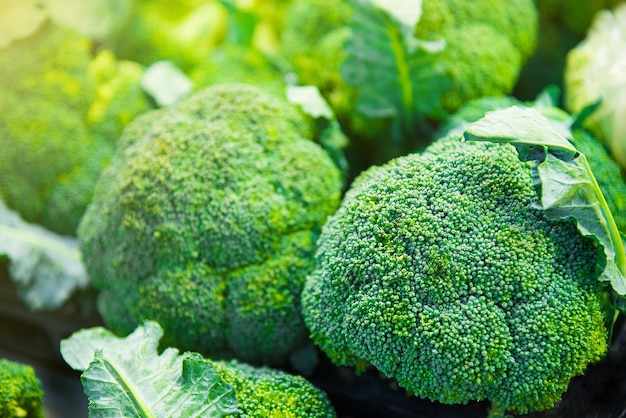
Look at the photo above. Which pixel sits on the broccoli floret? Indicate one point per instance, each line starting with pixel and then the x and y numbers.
pixel 487 43
pixel 440 271
pixel 206 221
pixel 62 111
pixel 20 391
pixel 265 392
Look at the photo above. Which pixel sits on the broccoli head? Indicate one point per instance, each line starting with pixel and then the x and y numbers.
pixel 487 43
pixel 20 391
pixel 440 270
pixel 62 111
pixel 206 221
pixel 265 392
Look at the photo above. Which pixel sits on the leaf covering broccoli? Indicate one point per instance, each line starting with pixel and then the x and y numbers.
pixel 443 271
pixel 142 382
pixel 20 391
pixel 62 111
pixel 606 170
pixel 207 220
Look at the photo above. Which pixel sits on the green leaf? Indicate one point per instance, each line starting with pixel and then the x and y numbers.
pixel 311 101
pixel 568 186
pixel 396 75
pixel 46 267
pixel 139 382
pixel 166 83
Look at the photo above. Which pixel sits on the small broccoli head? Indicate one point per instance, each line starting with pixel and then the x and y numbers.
pixel 439 270
pixel 207 222
pixel 487 43
pixel 265 392
pixel 62 115
pixel 20 391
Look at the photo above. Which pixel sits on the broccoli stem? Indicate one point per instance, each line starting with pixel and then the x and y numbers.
pixel 497 410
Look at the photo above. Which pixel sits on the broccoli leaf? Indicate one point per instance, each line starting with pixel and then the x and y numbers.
pixel 310 100
pixel 139 382
pixel 397 76
pixel 46 267
pixel 568 186
pixel 166 83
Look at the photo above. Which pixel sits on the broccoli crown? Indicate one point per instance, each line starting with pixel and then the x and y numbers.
pixel 490 67
pixel 20 391
pixel 62 116
pixel 265 392
pixel 206 221
pixel 439 270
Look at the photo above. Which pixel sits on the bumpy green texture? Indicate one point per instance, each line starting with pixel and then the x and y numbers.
pixel 61 112
pixel 439 270
pixel 265 392
pixel 605 169
pixel 207 220
pixel 487 43
pixel 20 391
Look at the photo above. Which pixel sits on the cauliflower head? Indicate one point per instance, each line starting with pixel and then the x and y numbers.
pixel 206 222
pixel 439 271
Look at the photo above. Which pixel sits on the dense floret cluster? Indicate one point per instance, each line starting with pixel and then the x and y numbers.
pixel 20 391
pixel 207 222
pixel 434 269
pixel 62 110
pixel 265 392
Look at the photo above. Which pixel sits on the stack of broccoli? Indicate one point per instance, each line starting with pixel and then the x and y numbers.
pixel 228 215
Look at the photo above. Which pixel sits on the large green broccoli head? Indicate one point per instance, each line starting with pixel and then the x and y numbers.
pixel 62 113
pixel 207 221
pixel 487 43
pixel 265 392
pixel 20 391
pixel 439 270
